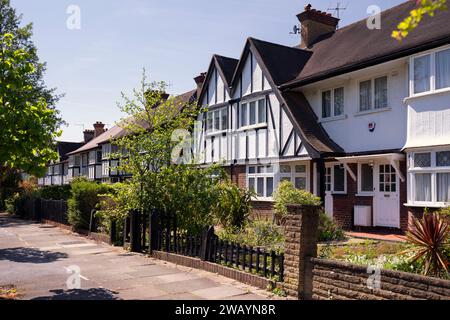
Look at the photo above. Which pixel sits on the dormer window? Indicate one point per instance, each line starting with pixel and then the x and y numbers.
pixel 430 72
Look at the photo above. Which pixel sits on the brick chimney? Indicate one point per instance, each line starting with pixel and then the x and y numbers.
pixel 199 80
pixel 88 135
pixel 314 25
pixel 99 128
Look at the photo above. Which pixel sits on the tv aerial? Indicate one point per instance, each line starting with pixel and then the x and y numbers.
pixel 337 10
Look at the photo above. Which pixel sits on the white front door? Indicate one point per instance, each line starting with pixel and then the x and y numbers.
pixel 386 202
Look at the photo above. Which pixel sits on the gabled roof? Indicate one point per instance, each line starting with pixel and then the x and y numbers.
pixel 117 131
pixel 279 64
pixel 355 46
pixel 225 66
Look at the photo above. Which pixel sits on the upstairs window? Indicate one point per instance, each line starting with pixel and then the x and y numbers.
pixel 333 103
pixel 373 94
pixel 217 120
pixel 430 72
pixel 253 113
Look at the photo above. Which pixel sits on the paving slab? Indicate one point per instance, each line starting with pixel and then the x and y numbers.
pixel 218 293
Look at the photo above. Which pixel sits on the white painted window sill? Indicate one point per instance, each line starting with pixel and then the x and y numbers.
pixel 365 195
pixel 426 94
pixel 331 119
pixel 371 111
pixel 425 205
pixel 216 133
pixel 253 127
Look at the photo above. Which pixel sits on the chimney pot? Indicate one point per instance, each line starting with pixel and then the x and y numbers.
pixel 88 135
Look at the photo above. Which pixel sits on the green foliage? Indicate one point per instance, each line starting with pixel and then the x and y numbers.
pixel 9 184
pixel 258 233
pixel 233 207
pixel 55 192
pixel 410 23
pixel 154 154
pixel 430 239
pixel 328 229
pixel 28 120
pixel 83 199
pixel 287 194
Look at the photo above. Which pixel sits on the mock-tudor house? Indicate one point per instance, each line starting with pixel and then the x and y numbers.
pixel 93 160
pixel 57 171
pixel 350 114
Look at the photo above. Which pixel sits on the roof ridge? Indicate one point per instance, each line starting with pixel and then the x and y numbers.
pixel 276 44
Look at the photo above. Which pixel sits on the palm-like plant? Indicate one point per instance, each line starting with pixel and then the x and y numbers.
pixel 429 237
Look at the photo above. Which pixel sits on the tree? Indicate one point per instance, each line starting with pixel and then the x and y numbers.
pixel 28 119
pixel 424 7
pixel 156 127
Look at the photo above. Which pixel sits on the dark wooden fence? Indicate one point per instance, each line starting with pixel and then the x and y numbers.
pixel 155 232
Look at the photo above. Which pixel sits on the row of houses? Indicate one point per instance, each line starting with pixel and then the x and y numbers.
pixel 350 114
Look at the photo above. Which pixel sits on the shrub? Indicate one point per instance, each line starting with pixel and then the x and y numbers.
pixel 12 203
pixel 55 192
pixel 429 238
pixel 115 205
pixel 258 233
pixel 328 229
pixel 233 206
pixel 83 199
pixel 287 194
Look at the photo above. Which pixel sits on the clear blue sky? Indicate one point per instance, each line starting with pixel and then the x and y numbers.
pixel 172 39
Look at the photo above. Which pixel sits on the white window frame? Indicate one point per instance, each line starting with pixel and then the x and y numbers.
pixel 257 124
pixel 264 175
pixel 278 176
pixel 360 191
pixel 432 54
pixel 332 101
pixel 372 97
pixel 433 170
pixel 221 129
pixel 332 166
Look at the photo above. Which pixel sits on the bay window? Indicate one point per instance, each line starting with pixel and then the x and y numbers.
pixel 429 178
pixel 333 103
pixel 430 72
pixel 217 120
pixel 252 113
pixel 373 94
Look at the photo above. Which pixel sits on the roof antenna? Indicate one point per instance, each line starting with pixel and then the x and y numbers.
pixel 295 30
pixel 337 10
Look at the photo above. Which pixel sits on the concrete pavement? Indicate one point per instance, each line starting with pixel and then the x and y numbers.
pixel 41 261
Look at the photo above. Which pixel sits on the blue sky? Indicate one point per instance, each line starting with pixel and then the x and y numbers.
pixel 172 39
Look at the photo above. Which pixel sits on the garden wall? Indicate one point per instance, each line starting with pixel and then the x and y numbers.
pixel 307 277
pixel 333 280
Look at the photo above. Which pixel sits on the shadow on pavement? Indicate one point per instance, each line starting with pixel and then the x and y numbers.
pixel 81 294
pixel 29 255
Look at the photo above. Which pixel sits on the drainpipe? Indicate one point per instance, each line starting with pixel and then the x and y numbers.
pixel 321 178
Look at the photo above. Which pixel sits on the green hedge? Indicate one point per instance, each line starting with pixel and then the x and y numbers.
pixel 55 192
pixel 84 197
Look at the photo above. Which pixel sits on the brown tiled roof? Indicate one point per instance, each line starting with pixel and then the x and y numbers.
pixel 355 46
pixel 117 131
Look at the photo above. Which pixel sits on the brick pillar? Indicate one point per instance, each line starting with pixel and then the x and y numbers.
pixel 301 234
